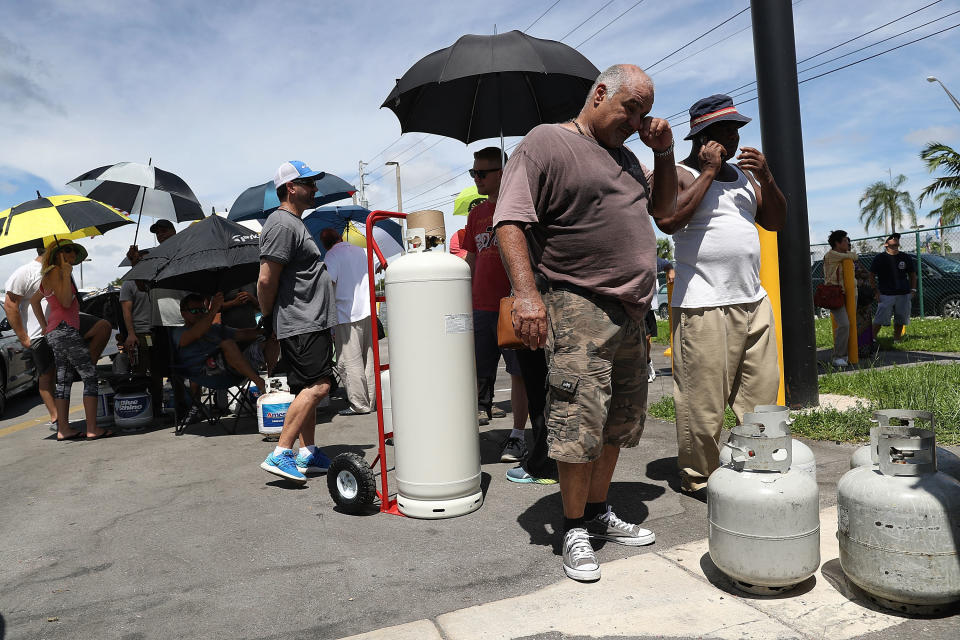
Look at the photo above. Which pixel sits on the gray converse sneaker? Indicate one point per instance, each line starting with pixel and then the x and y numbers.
pixel 579 561
pixel 607 526
pixel 514 450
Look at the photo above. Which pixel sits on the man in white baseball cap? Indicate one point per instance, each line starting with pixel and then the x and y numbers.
pixel 295 288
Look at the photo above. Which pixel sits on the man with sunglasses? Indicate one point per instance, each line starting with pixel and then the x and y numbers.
pixel 490 283
pixel 893 277
pixel 296 290
pixel 199 339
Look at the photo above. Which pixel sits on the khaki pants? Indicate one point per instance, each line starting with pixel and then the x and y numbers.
pixel 354 344
pixel 841 335
pixel 721 356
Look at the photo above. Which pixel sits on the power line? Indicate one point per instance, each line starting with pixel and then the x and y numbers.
pixel 586 21
pixel 867 33
pixel 897 35
pixel 722 40
pixel 708 31
pixel 595 33
pixel 387 147
pixel 541 15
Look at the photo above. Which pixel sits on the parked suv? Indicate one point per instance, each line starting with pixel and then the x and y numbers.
pixel 941 283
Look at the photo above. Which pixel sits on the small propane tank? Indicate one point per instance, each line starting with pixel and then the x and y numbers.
pixel 776 421
pixel 433 397
pixel 764 521
pixel 898 525
pixel 132 410
pixel 272 408
pixel 105 396
pixel 947 461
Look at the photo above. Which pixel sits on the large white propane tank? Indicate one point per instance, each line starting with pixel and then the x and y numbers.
pixel 898 524
pixel 132 410
pixel 776 421
pixel 764 522
pixel 433 384
pixel 104 404
pixel 947 461
pixel 272 407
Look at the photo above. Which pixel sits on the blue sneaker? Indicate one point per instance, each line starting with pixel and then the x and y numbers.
pixel 315 463
pixel 517 474
pixel 283 465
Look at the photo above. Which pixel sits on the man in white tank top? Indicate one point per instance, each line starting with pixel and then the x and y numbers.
pixel 724 343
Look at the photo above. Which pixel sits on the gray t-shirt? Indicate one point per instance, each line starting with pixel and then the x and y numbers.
pixel 243 316
pixel 305 299
pixel 141 312
pixel 586 212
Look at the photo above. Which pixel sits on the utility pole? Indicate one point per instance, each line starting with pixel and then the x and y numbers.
pixel 396 165
pixel 363 185
pixel 775 57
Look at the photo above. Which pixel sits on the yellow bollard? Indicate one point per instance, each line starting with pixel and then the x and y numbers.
pixel 668 352
pixel 770 279
pixel 850 300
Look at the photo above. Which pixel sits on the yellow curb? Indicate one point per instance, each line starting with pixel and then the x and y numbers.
pixel 26 424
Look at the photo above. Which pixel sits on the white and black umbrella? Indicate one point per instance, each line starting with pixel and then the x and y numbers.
pixel 140 188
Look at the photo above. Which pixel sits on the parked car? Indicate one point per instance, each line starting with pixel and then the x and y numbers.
pixel 941 284
pixel 664 309
pixel 16 373
pixel 105 303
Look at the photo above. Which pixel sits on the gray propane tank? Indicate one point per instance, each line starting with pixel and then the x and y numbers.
pixel 776 421
pixel 898 524
pixel 105 395
pixel 947 462
pixel 764 521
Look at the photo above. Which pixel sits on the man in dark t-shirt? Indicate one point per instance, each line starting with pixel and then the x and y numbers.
pixel 893 277
pixel 576 203
pixel 295 288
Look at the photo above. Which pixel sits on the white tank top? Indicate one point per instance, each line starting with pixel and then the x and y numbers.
pixel 718 251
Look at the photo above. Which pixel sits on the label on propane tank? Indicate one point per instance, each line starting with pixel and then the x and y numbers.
pixel 273 414
pixel 458 323
pixel 130 407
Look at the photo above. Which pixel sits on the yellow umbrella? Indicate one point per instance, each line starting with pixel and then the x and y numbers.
pixel 39 222
pixel 467 200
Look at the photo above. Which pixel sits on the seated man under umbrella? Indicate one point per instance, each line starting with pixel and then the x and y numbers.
pixel 204 347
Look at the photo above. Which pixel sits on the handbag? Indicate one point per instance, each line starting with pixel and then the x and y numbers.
pixel 506 336
pixel 829 296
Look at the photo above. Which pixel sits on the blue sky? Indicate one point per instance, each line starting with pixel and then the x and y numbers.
pixel 222 93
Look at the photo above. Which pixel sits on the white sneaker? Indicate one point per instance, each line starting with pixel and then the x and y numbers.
pixel 840 362
pixel 651 372
pixel 608 526
pixel 579 561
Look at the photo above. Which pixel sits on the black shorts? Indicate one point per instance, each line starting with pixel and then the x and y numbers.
pixel 42 354
pixel 308 358
pixel 650 323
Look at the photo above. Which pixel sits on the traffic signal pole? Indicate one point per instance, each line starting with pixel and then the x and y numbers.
pixel 779 104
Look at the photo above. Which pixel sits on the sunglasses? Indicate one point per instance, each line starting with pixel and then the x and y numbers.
pixel 482 173
pixel 68 249
pixel 305 182
pixel 196 310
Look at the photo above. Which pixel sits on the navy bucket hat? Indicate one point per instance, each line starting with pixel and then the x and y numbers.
pixel 716 108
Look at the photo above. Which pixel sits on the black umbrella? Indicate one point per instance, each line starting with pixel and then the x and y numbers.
pixel 131 186
pixel 489 86
pixel 212 255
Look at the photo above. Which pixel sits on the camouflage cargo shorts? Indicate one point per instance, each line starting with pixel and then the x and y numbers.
pixel 597 376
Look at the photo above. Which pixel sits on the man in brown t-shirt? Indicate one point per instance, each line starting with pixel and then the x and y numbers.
pixel 575 202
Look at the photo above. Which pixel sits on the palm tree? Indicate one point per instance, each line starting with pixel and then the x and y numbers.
pixel 938 156
pixel 882 202
pixel 948 212
pixel 664 250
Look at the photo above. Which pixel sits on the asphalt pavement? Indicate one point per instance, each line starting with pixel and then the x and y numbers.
pixel 150 535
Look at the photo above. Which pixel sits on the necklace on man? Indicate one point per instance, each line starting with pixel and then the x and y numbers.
pixel 579 130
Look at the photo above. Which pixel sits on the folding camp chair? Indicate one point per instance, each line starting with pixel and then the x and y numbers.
pixel 203 406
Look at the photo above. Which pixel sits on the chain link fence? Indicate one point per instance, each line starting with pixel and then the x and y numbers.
pixel 938 276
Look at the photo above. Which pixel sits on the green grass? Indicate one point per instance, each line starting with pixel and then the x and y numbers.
pixel 923 334
pixel 663 332
pixel 928 387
